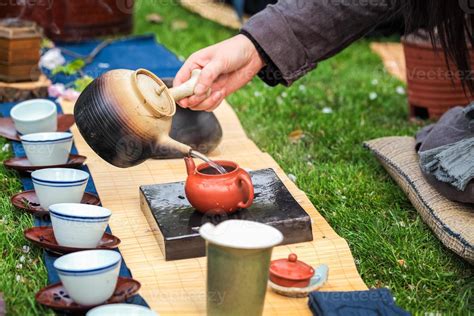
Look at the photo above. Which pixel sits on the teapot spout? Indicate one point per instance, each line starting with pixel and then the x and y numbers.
pixel 190 166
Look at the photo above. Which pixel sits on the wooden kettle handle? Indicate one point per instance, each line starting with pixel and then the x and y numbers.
pixel 186 89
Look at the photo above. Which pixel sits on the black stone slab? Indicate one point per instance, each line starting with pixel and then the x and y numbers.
pixel 176 223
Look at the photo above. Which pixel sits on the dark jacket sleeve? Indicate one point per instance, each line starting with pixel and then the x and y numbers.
pixel 294 35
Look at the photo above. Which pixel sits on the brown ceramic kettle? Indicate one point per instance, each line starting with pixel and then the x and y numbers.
pixel 125 116
pixel 213 193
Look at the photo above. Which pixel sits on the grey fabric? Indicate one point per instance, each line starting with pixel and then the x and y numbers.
pixel 296 35
pixel 422 135
pixel 446 151
pixel 452 163
pixel 450 192
pixel 452 127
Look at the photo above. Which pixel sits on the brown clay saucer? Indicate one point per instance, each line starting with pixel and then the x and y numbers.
pixel 22 164
pixel 44 238
pixel 7 128
pixel 55 296
pixel 28 201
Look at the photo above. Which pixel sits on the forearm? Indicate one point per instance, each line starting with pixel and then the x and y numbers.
pixel 296 34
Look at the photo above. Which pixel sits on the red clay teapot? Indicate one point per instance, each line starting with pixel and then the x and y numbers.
pixel 211 192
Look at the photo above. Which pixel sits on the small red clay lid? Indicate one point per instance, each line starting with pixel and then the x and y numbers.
pixel 291 269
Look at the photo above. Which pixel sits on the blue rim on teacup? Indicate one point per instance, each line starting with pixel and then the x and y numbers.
pixel 51 177
pixel 69 265
pixel 88 272
pixel 46 138
pixel 48 148
pixel 76 212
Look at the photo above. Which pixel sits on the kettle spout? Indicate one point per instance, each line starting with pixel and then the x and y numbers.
pixel 190 166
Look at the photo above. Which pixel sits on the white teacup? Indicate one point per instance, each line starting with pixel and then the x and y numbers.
pixel 121 310
pixel 59 185
pixel 90 276
pixel 35 116
pixel 78 225
pixel 47 149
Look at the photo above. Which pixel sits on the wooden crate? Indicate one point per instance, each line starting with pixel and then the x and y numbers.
pixel 20 43
pixel 17 73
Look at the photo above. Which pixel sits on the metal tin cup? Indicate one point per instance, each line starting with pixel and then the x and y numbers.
pixel 238 259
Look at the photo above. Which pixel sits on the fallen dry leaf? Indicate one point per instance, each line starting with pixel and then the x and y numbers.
pixel 154 18
pixel 378 284
pixel 296 135
pixel 179 25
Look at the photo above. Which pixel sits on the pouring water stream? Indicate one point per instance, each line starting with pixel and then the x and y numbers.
pixel 198 155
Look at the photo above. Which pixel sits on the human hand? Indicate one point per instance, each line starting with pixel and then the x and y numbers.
pixel 226 67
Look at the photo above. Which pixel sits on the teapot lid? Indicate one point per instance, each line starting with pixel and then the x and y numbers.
pixel 291 269
pixel 155 93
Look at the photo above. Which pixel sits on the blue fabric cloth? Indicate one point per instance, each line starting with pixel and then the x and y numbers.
pixel 239 6
pixel 129 53
pixel 375 302
pixel 28 185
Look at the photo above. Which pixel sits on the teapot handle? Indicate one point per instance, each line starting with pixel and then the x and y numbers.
pixel 247 185
pixel 186 89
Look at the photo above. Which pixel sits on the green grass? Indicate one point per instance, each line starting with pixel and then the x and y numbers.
pixel 22 272
pixel 391 244
pixel 342 179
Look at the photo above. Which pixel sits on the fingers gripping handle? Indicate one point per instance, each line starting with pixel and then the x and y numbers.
pixel 186 89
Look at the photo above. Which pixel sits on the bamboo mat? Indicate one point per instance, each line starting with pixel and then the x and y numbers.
pixel 178 287
pixel 393 58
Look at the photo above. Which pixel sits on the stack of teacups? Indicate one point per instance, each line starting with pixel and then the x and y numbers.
pixel 90 276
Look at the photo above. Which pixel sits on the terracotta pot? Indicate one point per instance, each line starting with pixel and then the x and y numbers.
pixel 126 116
pixel 214 193
pixel 65 20
pixel 291 272
pixel 432 87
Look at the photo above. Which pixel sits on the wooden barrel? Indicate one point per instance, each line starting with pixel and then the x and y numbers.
pixel 74 20
pixel 432 87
